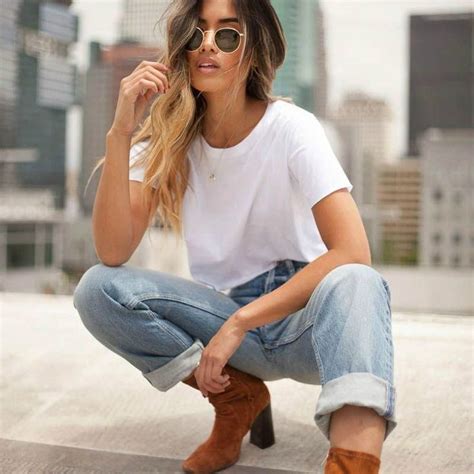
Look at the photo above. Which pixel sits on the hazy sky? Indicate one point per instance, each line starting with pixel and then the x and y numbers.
pixel 367 46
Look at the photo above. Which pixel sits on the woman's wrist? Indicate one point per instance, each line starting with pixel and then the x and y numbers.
pixel 239 322
pixel 114 132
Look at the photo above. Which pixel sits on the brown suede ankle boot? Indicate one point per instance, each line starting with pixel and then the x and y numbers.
pixel 347 461
pixel 236 409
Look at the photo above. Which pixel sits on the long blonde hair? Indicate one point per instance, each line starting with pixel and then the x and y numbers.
pixel 175 118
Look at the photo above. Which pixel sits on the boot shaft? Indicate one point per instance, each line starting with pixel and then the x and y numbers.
pixel 348 461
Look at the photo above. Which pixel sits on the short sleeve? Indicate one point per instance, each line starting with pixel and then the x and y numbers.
pixel 137 173
pixel 312 162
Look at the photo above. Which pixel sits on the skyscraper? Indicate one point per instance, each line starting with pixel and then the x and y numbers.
pixel 39 86
pixel 298 76
pixel 447 205
pixel 140 21
pixel 441 81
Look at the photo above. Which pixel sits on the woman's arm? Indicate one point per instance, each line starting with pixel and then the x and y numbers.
pixel 112 216
pixel 342 230
pixel 119 220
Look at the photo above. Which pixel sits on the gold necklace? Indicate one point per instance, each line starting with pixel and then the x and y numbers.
pixel 212 175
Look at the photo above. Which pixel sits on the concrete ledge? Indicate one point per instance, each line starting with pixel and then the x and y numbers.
pixel 430 289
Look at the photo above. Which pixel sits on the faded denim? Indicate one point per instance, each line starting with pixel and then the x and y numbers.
pixel 341 339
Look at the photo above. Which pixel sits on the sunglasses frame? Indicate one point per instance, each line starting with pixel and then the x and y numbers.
pixel 214 39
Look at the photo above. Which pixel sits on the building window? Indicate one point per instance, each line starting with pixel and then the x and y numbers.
pixel 48 254
pixel 29 245
pixel 436 259
pixel 20 255
pixel 20 245
pixel 457 237
pixel 437 195
pixel 455 260
pixel 436 237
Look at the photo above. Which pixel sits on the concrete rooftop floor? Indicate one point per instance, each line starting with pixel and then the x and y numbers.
pixel 70 405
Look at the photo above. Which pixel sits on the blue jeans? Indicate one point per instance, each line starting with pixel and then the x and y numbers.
pixel 341 339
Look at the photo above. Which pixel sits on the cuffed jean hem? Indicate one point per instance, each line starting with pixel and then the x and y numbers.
pixel 357 388
pixel 177 369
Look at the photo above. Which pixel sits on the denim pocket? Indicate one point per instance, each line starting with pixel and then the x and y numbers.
pixel 265 283
pixel 285 270
pixel 275 331
pixel 246 292
pixel 279 280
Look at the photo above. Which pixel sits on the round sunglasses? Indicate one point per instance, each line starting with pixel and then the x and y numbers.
pixel 226 39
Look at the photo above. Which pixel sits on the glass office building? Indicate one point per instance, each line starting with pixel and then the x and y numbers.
pixel 37 86
pixel 298 76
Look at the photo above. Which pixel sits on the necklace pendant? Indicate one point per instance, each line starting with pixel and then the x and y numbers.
pixel 212 176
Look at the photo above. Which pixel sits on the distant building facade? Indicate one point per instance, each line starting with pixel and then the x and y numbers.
pixel 364 126
pixel 38 85
pixel 447 217
pixel 398 203
pixel 140 22
pixel 441 81
pixel 298 76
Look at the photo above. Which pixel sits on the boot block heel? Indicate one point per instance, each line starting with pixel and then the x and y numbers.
pixel 261 431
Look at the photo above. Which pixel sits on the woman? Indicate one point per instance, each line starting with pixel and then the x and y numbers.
pixel 282 284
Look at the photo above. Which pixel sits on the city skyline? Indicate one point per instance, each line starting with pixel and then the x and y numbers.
pixel 41 89
pixel 387 21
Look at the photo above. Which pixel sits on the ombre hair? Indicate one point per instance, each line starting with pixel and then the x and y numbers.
pixel 175 118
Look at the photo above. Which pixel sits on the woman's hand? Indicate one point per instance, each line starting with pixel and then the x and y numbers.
pixel 136 89
pixel 215 356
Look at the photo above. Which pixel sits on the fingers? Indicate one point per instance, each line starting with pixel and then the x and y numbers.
pixel 155 64
pixel 207 385
pixel 221 379
pixel 210 379
pixel 159 69
pixel 155 72
pixel 160 76
pixel 144 85
pixel 149 78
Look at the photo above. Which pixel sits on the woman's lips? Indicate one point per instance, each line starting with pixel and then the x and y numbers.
pixel 208 69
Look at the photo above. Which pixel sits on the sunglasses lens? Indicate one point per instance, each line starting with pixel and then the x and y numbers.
pixel 195 41
pixel 227 40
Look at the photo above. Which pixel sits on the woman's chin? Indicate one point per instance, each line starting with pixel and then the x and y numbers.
pixel 209 86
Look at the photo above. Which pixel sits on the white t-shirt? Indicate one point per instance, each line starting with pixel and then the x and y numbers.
pixel 258 210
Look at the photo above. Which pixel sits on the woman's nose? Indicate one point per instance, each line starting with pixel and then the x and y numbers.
pixel 208 41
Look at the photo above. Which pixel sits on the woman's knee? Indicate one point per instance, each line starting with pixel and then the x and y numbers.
pixel 355 278
pixel 93 304
pixel 351 290
pixel 91 285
